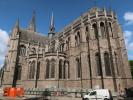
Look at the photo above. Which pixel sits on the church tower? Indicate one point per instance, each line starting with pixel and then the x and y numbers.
pixel 11 60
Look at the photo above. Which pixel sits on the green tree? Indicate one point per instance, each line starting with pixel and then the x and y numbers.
pixel 131 65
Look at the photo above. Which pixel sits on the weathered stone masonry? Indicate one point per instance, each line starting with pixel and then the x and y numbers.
pixel 90 52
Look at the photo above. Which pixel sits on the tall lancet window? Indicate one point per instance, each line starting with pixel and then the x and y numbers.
pixel 117 64
pixel 22 50
pixel 75 40
pixel 107 64
pixel 78 68
pixel 32 70
pixel 95 29
pixel 97 57
pixel 110 26
pixel 52 68
pixel 69 42
pixel 78 38
pixel 47 69
pixel 60 69
pixel 66 69
pixel 102 27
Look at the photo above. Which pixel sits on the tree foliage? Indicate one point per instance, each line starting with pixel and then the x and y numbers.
pixel 131 65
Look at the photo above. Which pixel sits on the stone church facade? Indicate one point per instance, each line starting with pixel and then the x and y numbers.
pixel 89 53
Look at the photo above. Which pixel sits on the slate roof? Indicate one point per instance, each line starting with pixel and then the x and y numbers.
pixel 30 36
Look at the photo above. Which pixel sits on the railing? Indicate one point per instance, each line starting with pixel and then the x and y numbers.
pixel 101 13
pixel 35 55
pixel 57 92
pixel 55 54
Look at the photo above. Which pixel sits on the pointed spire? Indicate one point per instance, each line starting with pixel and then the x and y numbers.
pixel 17 24
pixel 52 28
pixel 15 28
pixel 32 25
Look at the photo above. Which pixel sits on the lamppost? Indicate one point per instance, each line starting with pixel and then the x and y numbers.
pixel 37 66
pixel 16 62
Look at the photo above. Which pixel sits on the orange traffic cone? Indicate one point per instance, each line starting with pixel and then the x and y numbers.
pixel 6 91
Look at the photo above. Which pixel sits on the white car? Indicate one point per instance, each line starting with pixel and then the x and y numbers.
pixel 99 94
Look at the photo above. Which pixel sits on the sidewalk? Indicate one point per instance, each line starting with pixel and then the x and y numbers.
pixel 65 98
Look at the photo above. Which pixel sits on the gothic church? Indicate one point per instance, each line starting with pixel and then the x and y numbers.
pixel 89 53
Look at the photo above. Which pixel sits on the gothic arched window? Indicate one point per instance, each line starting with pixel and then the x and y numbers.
pixel 29 68
pixel 52 68
pixel 87 29
pixel 110 26
pixel 87 33
pixel 62 47
pixel 66 69
pixel 107 64
pixel 78 38
pixel 32 70
pixel 95 29
pixel 19 71
pixel 47 69
pixel 60 69
pixel 22 50
pixel 102 27
pixel 68 43
pixel 97 57
pixel 78 68
pixel 116 64
pixel 75 40
pixel 33 50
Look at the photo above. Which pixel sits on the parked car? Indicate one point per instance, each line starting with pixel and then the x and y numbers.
pixel 99 94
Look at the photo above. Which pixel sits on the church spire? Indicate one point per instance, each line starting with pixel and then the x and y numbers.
pixel 32 25
pixel 16 27
pixel 17 24
pixel 52 28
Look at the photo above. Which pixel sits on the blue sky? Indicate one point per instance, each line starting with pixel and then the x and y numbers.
pixel 65 11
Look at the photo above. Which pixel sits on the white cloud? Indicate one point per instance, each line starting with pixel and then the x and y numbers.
pixel 3 45
pixel 130 56
pixel 129 43
pixel 128 16
pixel 130 46
pixel 127 34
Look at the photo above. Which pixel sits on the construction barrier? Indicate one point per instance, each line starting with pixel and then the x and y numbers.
pixel 6 91
pixel 20 92
pixel 12 92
